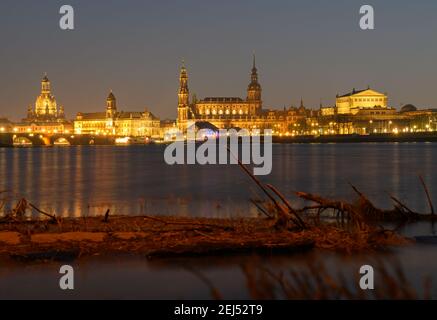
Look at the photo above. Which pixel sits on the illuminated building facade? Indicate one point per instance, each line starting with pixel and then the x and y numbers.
pixel 46 108
pixel 45 116
pixel 117 123
pixel 5 125
pixel 353 102
pixel 359 112
pixel 235 112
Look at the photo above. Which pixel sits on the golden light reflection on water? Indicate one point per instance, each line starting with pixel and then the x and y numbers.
pixel 86 181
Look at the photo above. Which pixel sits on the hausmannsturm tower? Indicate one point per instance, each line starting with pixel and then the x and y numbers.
pixel 254 91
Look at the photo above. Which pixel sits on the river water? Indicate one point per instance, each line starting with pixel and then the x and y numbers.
pixel 135 180
pixel 83 181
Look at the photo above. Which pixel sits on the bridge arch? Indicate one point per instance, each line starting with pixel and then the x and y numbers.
pixel 61 141
pixel 22 141
pixel 30 139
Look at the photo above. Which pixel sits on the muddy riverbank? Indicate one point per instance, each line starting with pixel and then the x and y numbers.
pixel 176 236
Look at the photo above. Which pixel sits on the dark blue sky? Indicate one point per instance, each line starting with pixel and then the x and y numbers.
pixel 308 48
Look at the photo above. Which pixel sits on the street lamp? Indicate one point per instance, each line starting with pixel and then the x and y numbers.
pixel 370 126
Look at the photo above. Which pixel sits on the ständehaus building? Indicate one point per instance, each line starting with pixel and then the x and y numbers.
pixel 232 112
pixel 117 123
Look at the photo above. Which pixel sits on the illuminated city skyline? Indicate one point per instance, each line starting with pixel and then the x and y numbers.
pixel 136 48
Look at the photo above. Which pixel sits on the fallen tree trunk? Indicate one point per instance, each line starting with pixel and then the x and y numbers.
pixel 204 247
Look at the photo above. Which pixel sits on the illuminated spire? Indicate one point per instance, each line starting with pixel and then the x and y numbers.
pixel 254 76
pixel 183 94
pixel 183 68
pixel 183 77
pixel 254 70
pixel 254 88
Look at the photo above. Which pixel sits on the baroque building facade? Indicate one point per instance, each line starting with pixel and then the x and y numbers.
pixel 235 112
pixel 357 100
pixel 117 123
pixel 44 116
pixel 46 108
pixel 357 112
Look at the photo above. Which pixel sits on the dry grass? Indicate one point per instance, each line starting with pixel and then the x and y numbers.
pixel 362 211
pixel 314 281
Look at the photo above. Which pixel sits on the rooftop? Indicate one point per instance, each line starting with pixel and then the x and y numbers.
pixel 92 115
pixel 353 92
pixel 119 115
pixel 221 99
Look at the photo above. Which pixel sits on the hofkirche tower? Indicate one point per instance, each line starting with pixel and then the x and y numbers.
pixel 183 99
pixel 222 112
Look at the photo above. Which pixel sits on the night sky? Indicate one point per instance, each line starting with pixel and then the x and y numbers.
pixel 311 48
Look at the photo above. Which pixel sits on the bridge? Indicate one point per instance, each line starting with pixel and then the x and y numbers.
pixel 43 139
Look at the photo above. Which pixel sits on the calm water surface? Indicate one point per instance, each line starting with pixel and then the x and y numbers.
pixel 81 181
